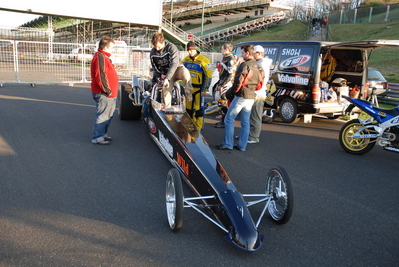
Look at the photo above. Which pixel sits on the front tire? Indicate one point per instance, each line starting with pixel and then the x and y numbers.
pixel 127 111
pixel 279 188
pixel 174 200
pixel 357 146
pixel 288 111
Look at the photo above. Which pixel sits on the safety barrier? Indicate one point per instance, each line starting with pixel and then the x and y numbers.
pixel 391 96
pixel 48 62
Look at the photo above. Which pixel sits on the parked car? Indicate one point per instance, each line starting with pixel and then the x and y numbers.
pixel 376 80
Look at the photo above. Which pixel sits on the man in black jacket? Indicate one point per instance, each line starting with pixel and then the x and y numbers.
pixel 246 79
pixel 167 65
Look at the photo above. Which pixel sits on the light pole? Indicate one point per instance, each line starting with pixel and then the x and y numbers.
pixel 202 18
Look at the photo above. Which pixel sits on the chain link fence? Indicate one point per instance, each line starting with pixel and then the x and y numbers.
pixel 48 62
pixel 388 13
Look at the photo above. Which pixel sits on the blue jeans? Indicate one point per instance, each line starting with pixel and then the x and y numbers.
pixel 243 106
pixel 102 119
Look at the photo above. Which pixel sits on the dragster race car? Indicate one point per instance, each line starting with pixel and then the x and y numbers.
pixel 215 196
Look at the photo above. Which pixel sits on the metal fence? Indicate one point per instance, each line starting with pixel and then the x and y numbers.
pixel 378 14
pixel 391 96
pixel 49 62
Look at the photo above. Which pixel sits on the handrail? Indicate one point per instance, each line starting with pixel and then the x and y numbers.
pixel 183 35
pixel 250 25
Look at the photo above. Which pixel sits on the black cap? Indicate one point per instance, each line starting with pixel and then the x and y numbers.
pixel 191 46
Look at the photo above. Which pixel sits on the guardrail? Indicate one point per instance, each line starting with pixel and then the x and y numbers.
pixel 391 96
pixel 49 62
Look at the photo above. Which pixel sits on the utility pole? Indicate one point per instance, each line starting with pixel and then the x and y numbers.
pixel 202 19
pixel 171 11
pixel 50 36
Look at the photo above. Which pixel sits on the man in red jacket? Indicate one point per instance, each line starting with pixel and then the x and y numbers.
pixel 104 87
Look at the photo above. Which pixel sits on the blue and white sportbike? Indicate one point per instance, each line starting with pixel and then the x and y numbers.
pixel 374 125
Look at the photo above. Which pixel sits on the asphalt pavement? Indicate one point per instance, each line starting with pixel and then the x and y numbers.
pixel 67 202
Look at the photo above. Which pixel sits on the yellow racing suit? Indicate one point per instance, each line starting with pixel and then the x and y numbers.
pixel 201 76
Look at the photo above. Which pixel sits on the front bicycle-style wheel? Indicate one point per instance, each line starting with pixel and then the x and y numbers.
pixel 357 146
pixel 174 199
pixel 279 188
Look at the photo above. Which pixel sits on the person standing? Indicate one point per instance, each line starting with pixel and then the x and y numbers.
pixel 199 67
pixel 167 65
pixel 245 81
pixel 260 96
pixel 227 70
pixel 104 88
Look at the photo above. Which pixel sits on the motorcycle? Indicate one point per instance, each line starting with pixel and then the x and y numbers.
pixel 373 126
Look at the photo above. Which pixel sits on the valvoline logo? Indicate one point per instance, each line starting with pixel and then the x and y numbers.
pixel 295 61
pixel 151 125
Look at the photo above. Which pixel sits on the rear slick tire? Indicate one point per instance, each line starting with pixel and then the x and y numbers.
pixel 127 111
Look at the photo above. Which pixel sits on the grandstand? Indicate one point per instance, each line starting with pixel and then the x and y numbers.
pixel 219 20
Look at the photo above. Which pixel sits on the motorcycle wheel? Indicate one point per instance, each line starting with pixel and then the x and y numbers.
pixel 279 188
pixel 357 146
pixel 174 200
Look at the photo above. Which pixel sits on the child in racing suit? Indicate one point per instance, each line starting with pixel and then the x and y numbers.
pixel 201 75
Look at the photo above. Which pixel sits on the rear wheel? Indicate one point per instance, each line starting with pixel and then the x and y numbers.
pixel 174 199
pixel 288 111
pixel 353 145
pixel 279 188
pixel 127 111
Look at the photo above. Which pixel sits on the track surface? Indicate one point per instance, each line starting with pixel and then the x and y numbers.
pixel 67 202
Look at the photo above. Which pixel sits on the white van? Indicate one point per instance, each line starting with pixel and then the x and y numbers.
pixel 80 54
pixel 120 53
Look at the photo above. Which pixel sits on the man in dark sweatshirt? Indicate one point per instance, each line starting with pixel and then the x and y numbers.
pixel 167 65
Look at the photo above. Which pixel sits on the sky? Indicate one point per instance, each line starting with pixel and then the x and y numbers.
pixel 15 19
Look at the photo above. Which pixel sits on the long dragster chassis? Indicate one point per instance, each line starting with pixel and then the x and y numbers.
pixel 216 197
